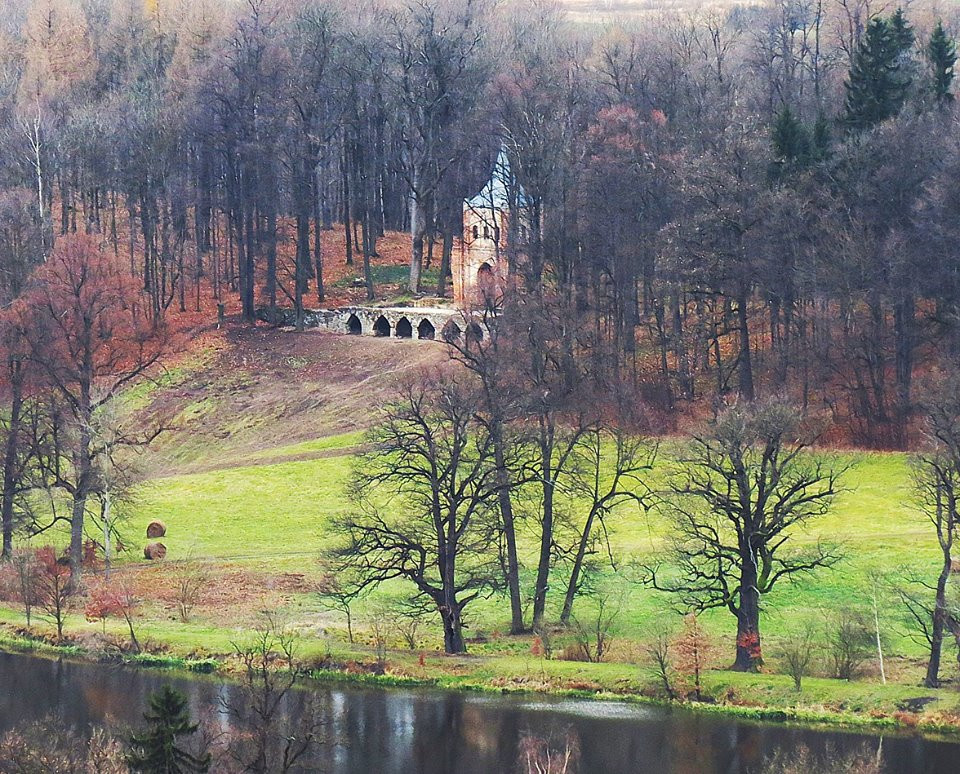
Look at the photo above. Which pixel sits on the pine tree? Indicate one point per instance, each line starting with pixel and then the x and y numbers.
pixel 902 32
pixel 791 140
pixel 879 78
pixel 791 144
pixel 942 53
pixel 155 749
pixel 821 137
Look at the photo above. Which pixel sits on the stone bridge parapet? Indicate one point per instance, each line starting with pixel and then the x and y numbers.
pixel 403 322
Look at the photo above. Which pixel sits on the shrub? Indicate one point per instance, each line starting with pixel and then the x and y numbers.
pixel 693 651
pixel 594 637
pixel 48 746
pixel 798 651
pixel 660 653
pixel 190 579
pixel 803 761
pixel 557 755
pixel 53 586
pixel 851 645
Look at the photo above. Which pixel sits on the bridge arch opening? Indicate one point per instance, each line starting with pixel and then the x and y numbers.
pixel 451 332
pixel 381 327
pixel 354 326
pixel 425 330
pixel 474 332
pixel 404 330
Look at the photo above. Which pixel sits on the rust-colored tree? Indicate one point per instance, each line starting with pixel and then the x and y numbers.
pixel 53 587
pixel 692 649
pixel 115 599
pixel 90 334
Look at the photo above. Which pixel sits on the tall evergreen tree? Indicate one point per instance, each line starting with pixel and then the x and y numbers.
pixel 942 53
pixel 791 144
pixel 155 748
pixel 879 77
pixel 791 140
pixel 903 35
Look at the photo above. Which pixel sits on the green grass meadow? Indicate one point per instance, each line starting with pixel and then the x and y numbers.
pixel 277 515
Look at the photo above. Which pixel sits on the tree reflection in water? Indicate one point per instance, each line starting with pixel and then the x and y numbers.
pixel 399 731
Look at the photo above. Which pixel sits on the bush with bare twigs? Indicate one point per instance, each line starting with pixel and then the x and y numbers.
pixel 594 636
pixel 190 579
pixel 803 761
pixel 797 654
pixel 54 587
pixel 114 599
pixel 554 754
pixel 46 746
pixel 850 644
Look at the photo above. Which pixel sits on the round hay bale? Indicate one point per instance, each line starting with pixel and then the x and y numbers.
pixel 156 529
pixel 155 551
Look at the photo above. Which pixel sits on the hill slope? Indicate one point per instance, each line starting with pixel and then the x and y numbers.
pixel 237 394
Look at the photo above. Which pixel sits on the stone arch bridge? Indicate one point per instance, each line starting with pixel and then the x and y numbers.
pixel 402 322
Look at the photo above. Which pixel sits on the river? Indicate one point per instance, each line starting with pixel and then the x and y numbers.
pixel 398 731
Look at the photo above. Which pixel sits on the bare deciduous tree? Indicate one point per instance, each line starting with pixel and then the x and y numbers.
pixel 748 484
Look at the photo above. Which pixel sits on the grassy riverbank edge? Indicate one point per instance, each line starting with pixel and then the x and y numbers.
pixel 942 728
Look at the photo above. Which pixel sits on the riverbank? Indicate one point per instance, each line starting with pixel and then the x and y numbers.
pixel 858 705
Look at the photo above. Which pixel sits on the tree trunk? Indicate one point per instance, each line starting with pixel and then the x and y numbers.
pixel 418 230
pixel 546 535
pixel 577 570
pixel 938 624
pixel 749 655
pixel 509 529
pixel 746 366
pixel 452 629
pixel 447 252
pixel 346 204
pixel 11 453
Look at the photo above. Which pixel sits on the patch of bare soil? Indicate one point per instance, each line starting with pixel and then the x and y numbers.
pixel 259 388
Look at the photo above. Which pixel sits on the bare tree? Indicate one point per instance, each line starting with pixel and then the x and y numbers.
pixel 603 483
pixel 937 476
pixel 594 636
pixel 425 495
pixel 272 740
pixel 53 586
pixel 797 653
pixel 334 594
pixel 747 486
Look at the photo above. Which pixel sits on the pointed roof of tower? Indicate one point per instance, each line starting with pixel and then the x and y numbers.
pixel 496 192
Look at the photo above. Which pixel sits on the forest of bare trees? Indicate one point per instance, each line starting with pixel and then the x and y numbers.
pixel 749 201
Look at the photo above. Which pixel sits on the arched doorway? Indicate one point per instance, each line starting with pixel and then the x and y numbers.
pixel 425 330
pixel 381 327
pixel 451 332
pixel 354 326
pixel 404 329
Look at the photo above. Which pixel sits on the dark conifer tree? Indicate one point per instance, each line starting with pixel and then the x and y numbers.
pixel 791 140
pixel 155 750
pixel 942 53
pixel 879 77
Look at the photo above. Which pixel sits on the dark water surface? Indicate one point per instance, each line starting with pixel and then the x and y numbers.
pixel 395 731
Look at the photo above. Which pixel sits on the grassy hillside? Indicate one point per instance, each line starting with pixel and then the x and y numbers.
pixel 275 513
pixel 268 421
pixel 267 425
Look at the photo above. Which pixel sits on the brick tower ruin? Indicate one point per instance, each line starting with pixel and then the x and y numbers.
pixel 481 268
